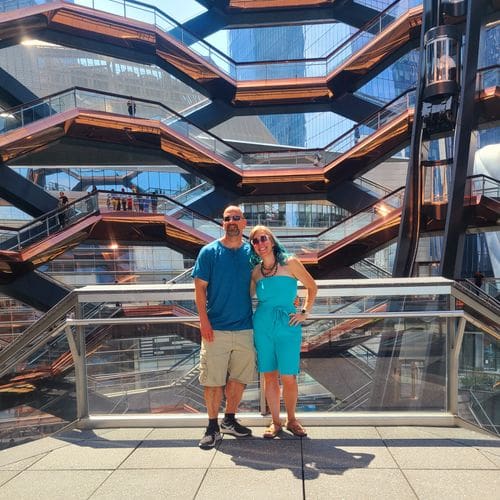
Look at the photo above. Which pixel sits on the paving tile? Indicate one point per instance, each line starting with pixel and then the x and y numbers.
pixel 36 448
pixel 163 450
pixel 357 483
pixel 122 435
pixel 53 485
pixel 84 455
pixel 493 457
pixel 152 483
pixel 23 464
pixel 189 434
pixel 405 432
pixel 429 448
pixel 443 455
pixel 486 443
pixel 6 475
pixel 327 454
pixel 245 484
pixel 259 453
pixel 71 435
pixel 453 484
pixel 460 434
pixel 344 435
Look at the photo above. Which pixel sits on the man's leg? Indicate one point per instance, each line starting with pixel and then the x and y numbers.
pixel 234 393
pixel 229 425
pixel 213 399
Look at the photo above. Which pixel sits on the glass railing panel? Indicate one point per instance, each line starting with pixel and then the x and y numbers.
pixel 370 270
pixel 374 123
pixel 283 159
pixel 95 101
pixel 488 77
pixel 376 383
pixel 50 224
pixel 311 158
pixel 139 12
pixel 195 193
pixel 492 287
pixel 33 411
pixel 482 185
pixel 387 337
pixel 368 33
pixel 161 366
pixel 206 226
pixel 291 159
pixel 479 379
pixel 372 186
pixel 380 211
pixel 164 24
pixel 282 69
pixel 116 7
pixel 160 360
pixel 146 203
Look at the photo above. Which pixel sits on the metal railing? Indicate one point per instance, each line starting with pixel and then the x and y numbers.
pixel 430 293
pixel 81 98
pixel 317 67
pixel 49 224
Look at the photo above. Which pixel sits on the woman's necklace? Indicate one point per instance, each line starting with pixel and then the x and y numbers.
pixel 267 272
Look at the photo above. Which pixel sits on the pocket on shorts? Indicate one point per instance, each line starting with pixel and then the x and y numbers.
pixel 203 371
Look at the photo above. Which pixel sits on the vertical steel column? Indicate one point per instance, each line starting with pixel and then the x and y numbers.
pixel 76 340
pixel 453 243
pixel 455 337
pixel 409 227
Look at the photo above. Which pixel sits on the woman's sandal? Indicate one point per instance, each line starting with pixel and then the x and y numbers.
pixel 273 430
pixel 295 427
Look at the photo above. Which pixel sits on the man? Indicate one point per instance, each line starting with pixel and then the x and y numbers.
pixel 63 201
pixel 222 294
pixel 131 107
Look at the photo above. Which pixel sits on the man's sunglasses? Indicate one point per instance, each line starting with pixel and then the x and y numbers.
pixel 261 239
pixel 235 218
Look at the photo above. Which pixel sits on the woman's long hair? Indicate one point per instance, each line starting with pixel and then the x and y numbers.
pixel 279 250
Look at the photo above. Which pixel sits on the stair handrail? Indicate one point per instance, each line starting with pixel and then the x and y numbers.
pixel 50 324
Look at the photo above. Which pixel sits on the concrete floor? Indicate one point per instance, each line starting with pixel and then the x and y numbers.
pixel 332 462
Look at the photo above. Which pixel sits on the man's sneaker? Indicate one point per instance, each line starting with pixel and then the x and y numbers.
pixel 235 429
pixel 209 440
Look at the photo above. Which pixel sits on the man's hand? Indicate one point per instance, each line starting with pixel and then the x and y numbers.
pixel 206 331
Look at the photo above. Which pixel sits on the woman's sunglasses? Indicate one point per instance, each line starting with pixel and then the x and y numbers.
pixel 235 218
pixel 261 239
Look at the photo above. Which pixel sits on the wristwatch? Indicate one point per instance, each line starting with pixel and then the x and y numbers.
pixel 303 311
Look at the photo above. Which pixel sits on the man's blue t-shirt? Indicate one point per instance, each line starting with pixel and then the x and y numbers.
pixel 228 272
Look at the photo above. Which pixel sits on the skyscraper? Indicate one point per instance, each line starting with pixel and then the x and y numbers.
pixel 274 44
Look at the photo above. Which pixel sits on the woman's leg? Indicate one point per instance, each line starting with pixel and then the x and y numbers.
pixel 290 394
pixel 272 390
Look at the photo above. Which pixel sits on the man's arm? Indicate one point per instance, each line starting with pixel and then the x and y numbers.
pixel 200 298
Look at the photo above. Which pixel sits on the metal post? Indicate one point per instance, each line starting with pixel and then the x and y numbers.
pixel 76 341
pixel 454 233
pixel 455 337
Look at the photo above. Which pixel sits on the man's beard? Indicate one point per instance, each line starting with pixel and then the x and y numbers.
pixel 232 230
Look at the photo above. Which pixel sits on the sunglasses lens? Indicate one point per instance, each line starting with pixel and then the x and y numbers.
pixel 262 239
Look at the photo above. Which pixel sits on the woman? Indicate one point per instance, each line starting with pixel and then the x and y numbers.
pixel 277 325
